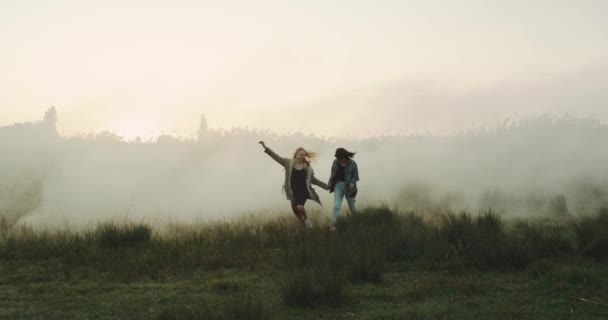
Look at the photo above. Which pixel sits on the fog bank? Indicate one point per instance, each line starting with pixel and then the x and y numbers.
pixel 519 168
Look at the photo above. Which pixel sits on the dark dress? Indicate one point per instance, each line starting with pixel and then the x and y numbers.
pixel 299 189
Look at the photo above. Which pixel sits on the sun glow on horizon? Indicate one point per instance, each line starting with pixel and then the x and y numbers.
pixel 131 127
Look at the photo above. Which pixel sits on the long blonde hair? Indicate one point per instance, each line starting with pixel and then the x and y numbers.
pixel 310 155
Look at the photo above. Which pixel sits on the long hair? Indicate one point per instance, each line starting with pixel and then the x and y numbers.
pixel 342 153
pixel 310 155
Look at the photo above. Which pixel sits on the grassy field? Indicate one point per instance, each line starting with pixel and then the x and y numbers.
pixel 380 264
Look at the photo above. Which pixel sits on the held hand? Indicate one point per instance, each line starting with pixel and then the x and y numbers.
pixel 352 185
pixel 263 144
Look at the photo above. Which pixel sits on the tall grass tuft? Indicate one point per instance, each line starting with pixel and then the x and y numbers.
pixel 369 237
pixel 318 267
pixel 5 226
pixel 592 235
pixel 542 241
pixel 307 288
pixel 482 242
pixel 458 231
pixel 113 235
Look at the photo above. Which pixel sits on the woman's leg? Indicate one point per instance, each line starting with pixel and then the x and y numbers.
pixel 338 196
pixel 302 211
pixel 352 204
pixel 304 216
pixel 296 211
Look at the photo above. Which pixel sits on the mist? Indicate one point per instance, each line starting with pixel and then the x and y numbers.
pixel 530 167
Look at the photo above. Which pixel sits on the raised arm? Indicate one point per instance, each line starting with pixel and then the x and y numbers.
pixel 280 160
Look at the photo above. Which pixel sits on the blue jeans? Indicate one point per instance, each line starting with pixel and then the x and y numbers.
pixel 338 196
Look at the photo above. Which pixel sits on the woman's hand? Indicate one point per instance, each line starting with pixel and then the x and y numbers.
pixel 263 144
pixel 352 185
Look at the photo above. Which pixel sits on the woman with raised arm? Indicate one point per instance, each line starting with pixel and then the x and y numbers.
pixel 298 179
pixel 343 181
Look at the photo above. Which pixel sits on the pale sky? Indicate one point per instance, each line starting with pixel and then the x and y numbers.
pixel 325 67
